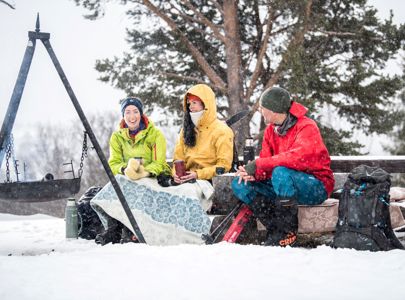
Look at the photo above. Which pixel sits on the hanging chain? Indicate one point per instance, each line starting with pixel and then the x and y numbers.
pixel 15 161
pixel 8 155
pixel 84 154
pixel 9 152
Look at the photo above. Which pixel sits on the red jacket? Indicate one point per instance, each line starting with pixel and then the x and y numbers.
pixel 301 149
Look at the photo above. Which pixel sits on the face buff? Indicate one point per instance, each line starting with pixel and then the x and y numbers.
pixel 196 116
pixel 287 124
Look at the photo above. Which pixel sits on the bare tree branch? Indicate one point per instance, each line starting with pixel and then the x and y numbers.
pixel 335 33
pixel 218 6
pixel 283 29
pixel 344 34
pixel 254 45
pixel 192 22
pixel 202 62
pixel 262 52
pixel 215 29
pixel 221 110
pixel 295 42
pixel 8 4
pixel 177 76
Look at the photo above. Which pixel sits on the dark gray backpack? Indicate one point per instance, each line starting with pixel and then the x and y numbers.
pixel 89 223
pixel 364 218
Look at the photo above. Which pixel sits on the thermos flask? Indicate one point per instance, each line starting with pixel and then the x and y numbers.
pixel 71 218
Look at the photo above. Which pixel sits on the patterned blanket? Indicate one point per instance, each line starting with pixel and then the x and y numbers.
pixel 166 216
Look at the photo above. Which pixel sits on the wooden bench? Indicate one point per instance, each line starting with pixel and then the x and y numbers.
pixel 317 220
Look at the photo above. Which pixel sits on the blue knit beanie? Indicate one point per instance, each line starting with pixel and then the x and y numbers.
pixel 131 101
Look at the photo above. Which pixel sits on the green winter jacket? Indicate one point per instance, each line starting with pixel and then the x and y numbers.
pixel 150 144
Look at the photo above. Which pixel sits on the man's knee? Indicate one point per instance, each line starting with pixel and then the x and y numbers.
pixel 281 172
pixel 241 190
pixel 283 182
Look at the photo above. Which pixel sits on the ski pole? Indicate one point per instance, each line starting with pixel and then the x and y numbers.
pixel 212 237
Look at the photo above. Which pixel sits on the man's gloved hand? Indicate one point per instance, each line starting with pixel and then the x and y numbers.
pixel 135 170
pixel 251 168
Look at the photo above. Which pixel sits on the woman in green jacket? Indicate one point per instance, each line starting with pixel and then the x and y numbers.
pixel 138 150
pixel 138 138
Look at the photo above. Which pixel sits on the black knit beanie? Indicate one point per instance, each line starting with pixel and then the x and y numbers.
pixel 276 99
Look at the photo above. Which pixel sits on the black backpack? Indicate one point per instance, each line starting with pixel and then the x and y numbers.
pixel 89 222
pixel 364 218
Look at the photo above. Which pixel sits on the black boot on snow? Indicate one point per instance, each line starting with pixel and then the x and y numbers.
pixel 127 236
pixel 111 235
pixel 281 239
pixel 262 209
pixel 280 218
pixel 283 225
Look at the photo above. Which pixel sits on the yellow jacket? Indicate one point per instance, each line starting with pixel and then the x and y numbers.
pixel 214 146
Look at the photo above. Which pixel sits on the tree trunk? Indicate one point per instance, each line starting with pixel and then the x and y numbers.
pixel 234 64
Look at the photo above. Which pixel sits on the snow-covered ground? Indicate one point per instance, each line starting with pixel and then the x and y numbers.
pixel 37 262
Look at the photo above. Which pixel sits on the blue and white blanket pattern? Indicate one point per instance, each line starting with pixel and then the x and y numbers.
pixel 165 216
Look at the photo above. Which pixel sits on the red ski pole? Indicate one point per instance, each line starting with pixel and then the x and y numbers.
pixel 238 224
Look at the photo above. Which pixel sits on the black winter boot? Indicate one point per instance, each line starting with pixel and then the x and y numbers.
pixel 283 226
pixel 112 234
pixel 263 209
pixel 280 219
pixel 127 236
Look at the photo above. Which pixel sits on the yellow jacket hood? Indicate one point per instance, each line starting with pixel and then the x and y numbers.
pixel 206 94
pixel 214 145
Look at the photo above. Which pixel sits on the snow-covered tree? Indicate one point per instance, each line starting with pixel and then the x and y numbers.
pixel 399 133
pixel 329 53
pixel 47 147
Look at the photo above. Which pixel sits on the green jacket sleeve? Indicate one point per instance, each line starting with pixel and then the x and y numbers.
pixel 116 160
pixel 158 164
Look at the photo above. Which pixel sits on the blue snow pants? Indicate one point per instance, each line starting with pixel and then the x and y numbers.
pixel 285 183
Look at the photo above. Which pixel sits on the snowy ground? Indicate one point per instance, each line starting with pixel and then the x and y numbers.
pixel 37 262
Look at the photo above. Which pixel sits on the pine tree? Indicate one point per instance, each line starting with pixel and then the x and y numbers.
pixel 329 53
pixel 399 133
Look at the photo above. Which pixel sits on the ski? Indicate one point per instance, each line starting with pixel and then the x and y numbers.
pixel 214 235
pixel 238 224
pixel 237 117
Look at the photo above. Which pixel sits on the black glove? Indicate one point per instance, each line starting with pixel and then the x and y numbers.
pixel 164 180
pixel 251 168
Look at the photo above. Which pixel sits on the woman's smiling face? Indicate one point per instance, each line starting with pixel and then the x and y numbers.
pixel 132 117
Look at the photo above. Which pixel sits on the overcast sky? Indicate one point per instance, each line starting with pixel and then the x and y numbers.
pixel 77 43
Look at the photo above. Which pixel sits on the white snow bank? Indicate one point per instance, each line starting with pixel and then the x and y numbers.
pixel 44 265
